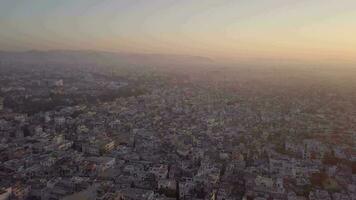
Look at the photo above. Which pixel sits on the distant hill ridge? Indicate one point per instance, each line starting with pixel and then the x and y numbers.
pixel 101 57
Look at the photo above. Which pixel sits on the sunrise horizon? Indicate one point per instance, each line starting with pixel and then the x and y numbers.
pixel 274 31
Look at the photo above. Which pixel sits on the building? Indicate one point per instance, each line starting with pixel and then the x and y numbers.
pixel 1 103
pixel 5 193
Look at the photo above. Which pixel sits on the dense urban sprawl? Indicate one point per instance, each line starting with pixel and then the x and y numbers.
pixel 81 134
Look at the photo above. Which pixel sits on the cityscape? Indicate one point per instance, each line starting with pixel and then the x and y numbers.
pixel 155 134
pixel 178 100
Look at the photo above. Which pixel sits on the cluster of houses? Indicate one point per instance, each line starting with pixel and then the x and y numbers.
pixel 178 141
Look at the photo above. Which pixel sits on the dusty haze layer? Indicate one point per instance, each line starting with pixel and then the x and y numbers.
pixel 267 32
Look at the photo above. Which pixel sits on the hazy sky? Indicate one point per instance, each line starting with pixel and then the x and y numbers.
pixel 306 30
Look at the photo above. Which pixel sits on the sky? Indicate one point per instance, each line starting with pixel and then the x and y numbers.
pixel 306 31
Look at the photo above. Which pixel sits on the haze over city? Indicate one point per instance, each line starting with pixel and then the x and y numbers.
pixel 251 32
pixel 177 100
